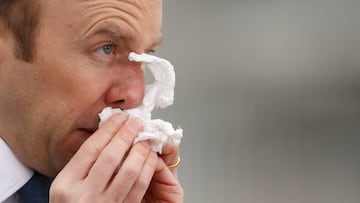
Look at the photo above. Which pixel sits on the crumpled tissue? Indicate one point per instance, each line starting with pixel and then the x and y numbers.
pixel 159 94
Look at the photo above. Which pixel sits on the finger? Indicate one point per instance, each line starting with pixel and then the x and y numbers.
pixel 78 167
pixel 112 155
pixel 170 154
pixel 129 171
pixel 162 172
pixel 165 184
pixel 141 185
pixel 170 147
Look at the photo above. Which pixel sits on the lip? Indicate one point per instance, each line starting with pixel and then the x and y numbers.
pixel 89 131
pixel 88 125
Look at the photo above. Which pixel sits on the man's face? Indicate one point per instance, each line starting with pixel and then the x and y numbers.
pixel 80 67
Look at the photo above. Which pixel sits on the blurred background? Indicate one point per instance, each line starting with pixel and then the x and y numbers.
pixel 268 95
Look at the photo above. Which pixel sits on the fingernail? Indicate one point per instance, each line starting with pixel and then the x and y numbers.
pixel 134 125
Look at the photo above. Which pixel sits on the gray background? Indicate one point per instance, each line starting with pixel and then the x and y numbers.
pixel 268 95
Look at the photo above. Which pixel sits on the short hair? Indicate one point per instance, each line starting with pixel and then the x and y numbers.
pixel 22 19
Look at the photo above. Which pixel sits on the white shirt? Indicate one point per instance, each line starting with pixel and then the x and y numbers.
pixel 13 173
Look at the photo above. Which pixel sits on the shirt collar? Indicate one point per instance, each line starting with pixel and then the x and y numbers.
pixel 13 173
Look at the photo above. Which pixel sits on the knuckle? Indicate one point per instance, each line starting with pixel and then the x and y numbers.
pixel 91 150
pixel 59 192
pixel 142 148
pixel 142 184
pixel 108 130
pixel 126 140
pixel 130 174
pixel 110 159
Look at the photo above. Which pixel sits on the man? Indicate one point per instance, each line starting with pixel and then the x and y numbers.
pixel 61 63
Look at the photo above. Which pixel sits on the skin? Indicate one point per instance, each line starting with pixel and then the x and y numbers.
pixel 49 107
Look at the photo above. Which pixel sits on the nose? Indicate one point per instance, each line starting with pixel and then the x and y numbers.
pixel 128 89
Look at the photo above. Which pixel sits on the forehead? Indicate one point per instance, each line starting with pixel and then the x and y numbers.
pixel 125 18
pixel 144 5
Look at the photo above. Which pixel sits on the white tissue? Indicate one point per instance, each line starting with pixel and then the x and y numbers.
pixel 159 94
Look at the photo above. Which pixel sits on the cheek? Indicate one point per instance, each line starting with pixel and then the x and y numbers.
pixel 70 82
pixel 62 150
pixel 62 99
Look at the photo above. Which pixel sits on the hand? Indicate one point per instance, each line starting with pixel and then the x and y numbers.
pixel 164 186
pixel 109 168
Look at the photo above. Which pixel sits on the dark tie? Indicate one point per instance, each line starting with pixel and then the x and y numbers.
pixel 36 190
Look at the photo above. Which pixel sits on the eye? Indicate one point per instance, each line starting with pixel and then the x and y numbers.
pixel 150 51
pixel 107 49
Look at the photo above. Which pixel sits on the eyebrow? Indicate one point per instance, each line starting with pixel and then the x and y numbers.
pixel 111 30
